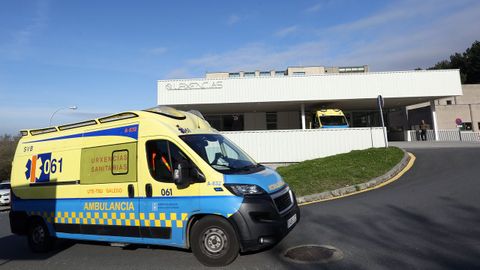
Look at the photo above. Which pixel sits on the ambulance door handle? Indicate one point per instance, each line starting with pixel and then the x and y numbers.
pixel 148 190
pixel 131 191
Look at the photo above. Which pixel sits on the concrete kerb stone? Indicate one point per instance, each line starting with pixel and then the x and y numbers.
pixel 358 187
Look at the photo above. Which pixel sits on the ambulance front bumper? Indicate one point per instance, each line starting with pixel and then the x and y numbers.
pixel 264 220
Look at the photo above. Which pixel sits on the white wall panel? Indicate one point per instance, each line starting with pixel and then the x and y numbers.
pixel 314 87
pixel 272 146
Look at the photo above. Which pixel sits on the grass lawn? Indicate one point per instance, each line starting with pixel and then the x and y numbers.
pixel 328 173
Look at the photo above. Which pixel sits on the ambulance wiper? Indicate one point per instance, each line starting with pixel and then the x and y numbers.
pixel 251 166
pixel 225 166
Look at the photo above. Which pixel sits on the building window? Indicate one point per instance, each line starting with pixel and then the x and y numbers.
pixel 449 102
pixel 249 74
pixel 265 73
pixel 298 73
pixel 280 73
pixel 351 69
pixel 233 122
pixel 271 120
pixel 234 75
pixel 467 126
pixel 230 122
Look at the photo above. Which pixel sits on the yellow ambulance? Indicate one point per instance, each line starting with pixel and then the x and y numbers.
pixel 329 118
pixel 158 176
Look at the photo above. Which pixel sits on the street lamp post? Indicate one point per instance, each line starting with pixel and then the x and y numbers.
pixel 66 108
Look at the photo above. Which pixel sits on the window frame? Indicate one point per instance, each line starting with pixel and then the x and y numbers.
pixel 469 125
pixel 271 120
pixel 265 74
pixel 169 142
pixel 128 162
pixel 298 73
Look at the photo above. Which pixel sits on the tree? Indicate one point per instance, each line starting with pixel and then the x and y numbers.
pixel 445 64
pixel 468 62
pixel 472 59
pixel 8 145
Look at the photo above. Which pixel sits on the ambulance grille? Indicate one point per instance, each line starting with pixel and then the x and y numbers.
pixel 283 202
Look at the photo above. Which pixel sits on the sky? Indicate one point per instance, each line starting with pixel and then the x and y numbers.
pixel 106 56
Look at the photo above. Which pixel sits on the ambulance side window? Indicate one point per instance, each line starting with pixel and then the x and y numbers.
pixel 162 156
pixel 106 164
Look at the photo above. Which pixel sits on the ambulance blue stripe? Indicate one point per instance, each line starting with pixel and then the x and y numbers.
pixel 157 212
pixel 138 197
pixel 339 126
pixel 130 131
pixel 120 239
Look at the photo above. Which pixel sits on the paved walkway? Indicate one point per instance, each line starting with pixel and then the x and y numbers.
pixel 434 144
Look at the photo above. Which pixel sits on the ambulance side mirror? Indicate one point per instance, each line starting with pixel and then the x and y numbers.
pixel 185 174
pixel 181 175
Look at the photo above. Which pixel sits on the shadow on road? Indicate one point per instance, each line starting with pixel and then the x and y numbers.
pixel 15 248
pixel 408 236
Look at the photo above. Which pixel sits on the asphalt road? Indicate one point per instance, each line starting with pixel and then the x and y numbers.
pixel 428 219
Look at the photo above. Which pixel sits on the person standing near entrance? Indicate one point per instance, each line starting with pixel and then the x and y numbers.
pixel 423 130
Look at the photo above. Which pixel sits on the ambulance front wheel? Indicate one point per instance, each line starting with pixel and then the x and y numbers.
pixel 39 239
pixel 214 242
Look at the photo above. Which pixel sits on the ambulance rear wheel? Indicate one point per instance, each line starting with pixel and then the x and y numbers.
pixel 39 239
pixel 214 242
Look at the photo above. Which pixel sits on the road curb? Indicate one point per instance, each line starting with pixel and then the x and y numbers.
pixel 350 190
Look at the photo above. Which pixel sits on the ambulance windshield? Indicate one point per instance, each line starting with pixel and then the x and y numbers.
pixel 333 120
pixel 223 155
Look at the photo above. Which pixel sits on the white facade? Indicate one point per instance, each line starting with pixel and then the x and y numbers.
pixel 270 115
pixel 313 88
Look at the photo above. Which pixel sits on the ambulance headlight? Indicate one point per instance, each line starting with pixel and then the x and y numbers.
pixel 244 189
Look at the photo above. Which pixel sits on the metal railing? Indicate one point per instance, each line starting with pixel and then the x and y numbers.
pixel 445 135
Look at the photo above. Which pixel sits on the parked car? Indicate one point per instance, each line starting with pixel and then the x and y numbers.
pixel 5 193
